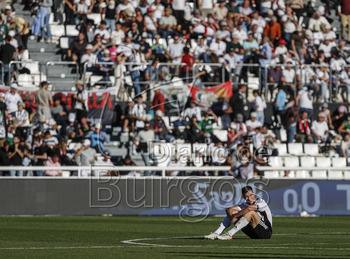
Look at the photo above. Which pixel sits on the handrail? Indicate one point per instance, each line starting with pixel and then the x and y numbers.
pixel 114 168
pixel 53 63
pixel 25 62
pixel 241 65
pixel 2 72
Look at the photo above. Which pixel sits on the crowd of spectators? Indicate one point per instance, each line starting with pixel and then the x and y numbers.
pixel 292 42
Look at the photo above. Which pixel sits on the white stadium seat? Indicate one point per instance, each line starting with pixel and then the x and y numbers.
pixel 96 17
pixel 272 174
pixel 323 161
pixel 302 174
pixel 183 149
pixel 291 162
pixel 339 162
pixel 307 161
pixel 319 174
pixel 71 31
pixel 311 149
pixel 221 134
pixel 282 149
pixel 295 149
pixel 347 175
pixel 335 175
pixel 57 30
pixel 275 161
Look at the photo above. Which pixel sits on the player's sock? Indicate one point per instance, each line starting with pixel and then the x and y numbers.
pixel 223 225
pixel 241 223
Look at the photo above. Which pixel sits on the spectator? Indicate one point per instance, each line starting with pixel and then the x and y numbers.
pixel 206 125
pixel 98 138
pixel 7 54
pixel 160 129
pixel 12 98
pixel 167 25
pixel 345 83
pixel 193 110
pixel 77 48
pixel 19 25
pixel 218 47
pixel 327 113
pixel 103 32
pixel 174 50
pixel 53 161
pixel 189 60
pixel 81 11
pixel 50 141
pixel 252 124
pixel 43 100
pixel 4 156
pixel 206 7
pixel 279 105
pixel 40 156
pixel 22 121
pixel 144 142
pixel 303 134
pixel 80 100
pixel 237 102
pixel 48 5
pixel 105 68
pixel 344 14
pixel 158 101
pixel 118 34
pixel 127 162
pixel 233 137
pixel 106 161
pixel 275 75
pixel 317 21
pixel 345 126
pixel 259 106
pixel 111 15
pixel 345 146
pixel 273 30
pixel 145 47
pixel 3 29
pixel 136 59
pixel 193 132
pixel 85 156
pixel 323 81
pixel 320 130
pixel 290 119
pixel 304 100
pixel 69 9
pixel 16 154
pixel 264 59
pixel 244 169
pixel 339 116
pixel 298 40
pixel 220 11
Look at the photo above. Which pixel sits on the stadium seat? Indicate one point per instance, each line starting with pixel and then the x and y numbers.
pixel 323 161
pixel 282 149
pixel 291 162
pixel 307 161
pixel 197 161
pixel 319 174
pixel 71 31
pixel 65 173
pixel 33 67
pixel 96 17
pixel 275 161
pixel 94 79
pixel 339 162
pixel 272 174
pixel 25 80
pixel 283 133
pixel 221 134
pixel 57 30
pixel 218 125
pixel 311 149
pixel 335 175
pixel 295 149
pixel 346 174
pixel 302 174
pixel 64 42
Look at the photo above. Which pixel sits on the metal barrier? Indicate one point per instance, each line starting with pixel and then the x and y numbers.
pixel 177 67
pixel 2 72
pixel 194 72
pixel 238 74
pixel 24 62
pixel 267 69
pixel 90 169
pixel 62 63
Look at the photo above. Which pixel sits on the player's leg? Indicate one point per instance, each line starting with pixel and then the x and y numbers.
pixel 249 218
pixel 225 223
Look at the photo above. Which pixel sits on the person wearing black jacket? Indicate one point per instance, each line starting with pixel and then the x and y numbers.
pixel 237 103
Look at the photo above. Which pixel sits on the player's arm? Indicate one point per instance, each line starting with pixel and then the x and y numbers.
pixel 242 212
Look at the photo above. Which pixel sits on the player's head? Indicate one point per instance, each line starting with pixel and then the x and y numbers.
pixel 248 194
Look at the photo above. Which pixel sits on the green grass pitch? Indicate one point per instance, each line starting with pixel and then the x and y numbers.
pixel 167 237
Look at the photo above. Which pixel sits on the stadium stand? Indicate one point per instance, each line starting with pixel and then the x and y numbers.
pixel 280 76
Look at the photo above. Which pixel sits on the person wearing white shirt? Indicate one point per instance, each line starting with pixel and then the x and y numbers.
pixel 252 124
pixel 280 52
pixel 89 58
pixel 304 101
pixel 118 35
pixel 230 59
pixel 174 50
pixel 259 107
pixel 218 47
pixel 103 32
pixel 290 22
pixel 319 129
pixel 323 80
pixel 327 46
pixel 316 21
pixel 345 83
pixel 241 34
pixel 12 98
pixel 158 9
pixel 124 5
pixel 193 110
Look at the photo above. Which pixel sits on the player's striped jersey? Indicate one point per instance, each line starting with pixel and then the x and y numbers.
pixel 262 209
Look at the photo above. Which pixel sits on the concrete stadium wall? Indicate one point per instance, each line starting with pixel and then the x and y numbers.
pixel 167 196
